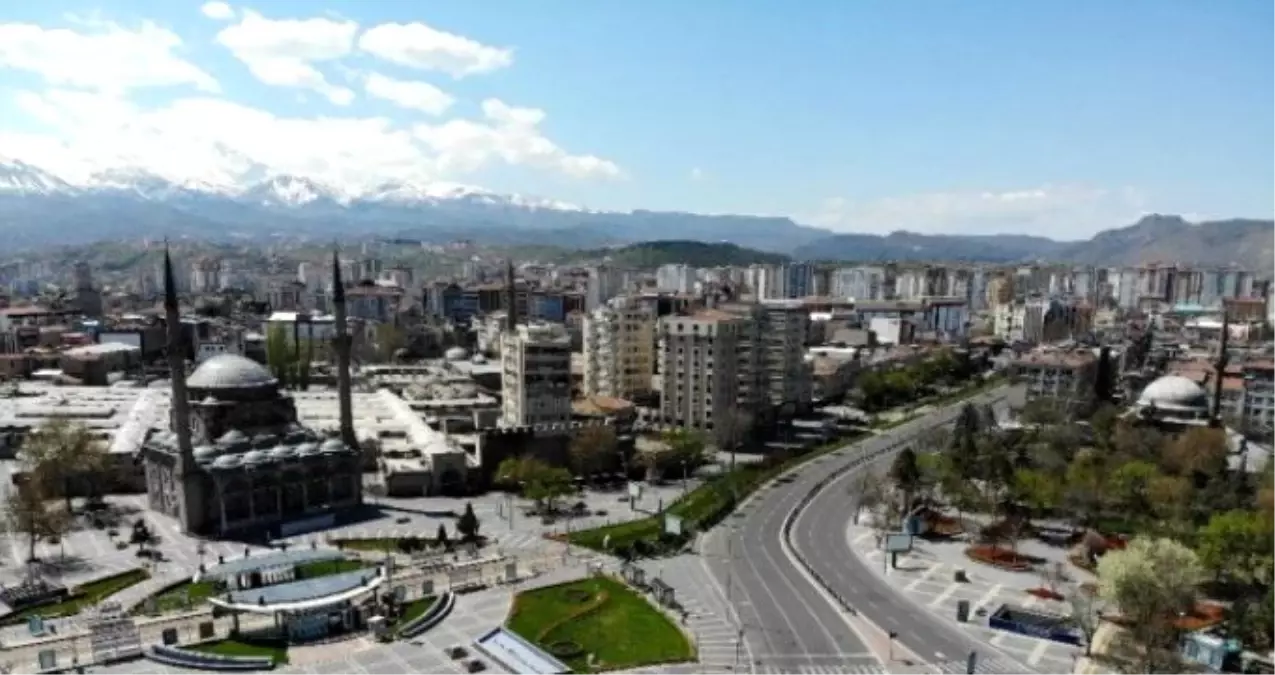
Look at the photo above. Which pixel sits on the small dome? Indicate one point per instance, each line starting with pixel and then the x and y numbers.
pixel 204 452
pixel 332 446
pixel 456 354
pixel 282 452
pixel 1174 392
pixel 255 457
pixel 227 462
pixel 479 359
pixel 230 371
pixel 232 437
pixel 307 449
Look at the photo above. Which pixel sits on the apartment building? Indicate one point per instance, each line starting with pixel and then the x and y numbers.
pixel 535 374
pixel 774 375
pixel 619 350
pixel 699 376
pixel 1066 375
pixel 675 278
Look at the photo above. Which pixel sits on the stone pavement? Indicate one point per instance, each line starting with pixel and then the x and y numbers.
pixel 926 576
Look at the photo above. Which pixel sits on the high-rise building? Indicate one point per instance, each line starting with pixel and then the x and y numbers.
pixel 619 350
pixel 699 376
pixel 535 375
pixel 675 278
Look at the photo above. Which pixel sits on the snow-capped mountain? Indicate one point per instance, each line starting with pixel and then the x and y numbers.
pixel 19 178
pixel 38 207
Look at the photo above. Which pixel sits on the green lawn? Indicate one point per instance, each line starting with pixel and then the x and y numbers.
pixel 83 596
pixel 326 568
pixel 276 650
pixel 603 617
pixel 413 610
pixel 704 506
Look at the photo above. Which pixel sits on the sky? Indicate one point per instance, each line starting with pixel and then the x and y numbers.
pixel 1058 118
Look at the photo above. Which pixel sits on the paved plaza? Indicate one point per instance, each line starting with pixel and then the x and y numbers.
pixel 926 577
pixel 520 532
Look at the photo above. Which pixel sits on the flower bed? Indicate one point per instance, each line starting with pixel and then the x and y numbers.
pixel 1045 594
pixel 1000 557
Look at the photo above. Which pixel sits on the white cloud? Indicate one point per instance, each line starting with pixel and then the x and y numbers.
pixel 414 95
pixel 283 52
pixel 1058 211
pixel 211 140
pixel 218 11
pixel 104 56
pixel 510 135
pixel 419 46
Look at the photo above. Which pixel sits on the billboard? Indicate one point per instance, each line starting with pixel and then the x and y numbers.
pixel 130 338
pixel 672 524
pixel 898 542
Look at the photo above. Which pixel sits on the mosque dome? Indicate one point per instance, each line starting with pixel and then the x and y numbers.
pixel 307 449
pixel 231 371
pixel 255 457
pixel 332 446
pixel 204 453
pixel 1174 392
pixel 282 452
pixel 227 462
pixel 232 437
pixel 456 354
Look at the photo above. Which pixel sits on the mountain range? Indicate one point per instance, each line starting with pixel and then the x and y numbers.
pixel 39 208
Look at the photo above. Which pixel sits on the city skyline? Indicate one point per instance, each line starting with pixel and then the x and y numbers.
pixel 1049 119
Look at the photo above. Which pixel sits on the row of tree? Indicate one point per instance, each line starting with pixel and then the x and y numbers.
pixel 883 389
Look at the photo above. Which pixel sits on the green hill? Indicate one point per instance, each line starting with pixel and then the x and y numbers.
pixel 694 253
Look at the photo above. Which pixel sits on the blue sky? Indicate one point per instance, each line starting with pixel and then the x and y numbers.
pixel 1059 118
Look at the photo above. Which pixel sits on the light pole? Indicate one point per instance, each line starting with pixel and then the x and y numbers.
pixel 685 471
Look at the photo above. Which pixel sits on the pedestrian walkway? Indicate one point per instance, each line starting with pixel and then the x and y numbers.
pixel 993 665
pixel 864 668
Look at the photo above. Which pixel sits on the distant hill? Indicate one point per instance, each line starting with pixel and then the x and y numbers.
pixel 1155 238
pixel 650 254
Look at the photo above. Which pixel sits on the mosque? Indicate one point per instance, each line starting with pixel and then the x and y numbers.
pixel 234 461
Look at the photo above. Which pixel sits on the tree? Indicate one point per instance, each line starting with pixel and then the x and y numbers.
pixel 1236 546
pixel 1130 484
pixel 870 491
pixel 389 339
pixel 1152 582
pixel 441 538
pixel 1086 485
pixel 1038 491
pixel 732 427
pixel 1199 454
pixel 467 525
pixel 279 356
pixel 535 479
pixel 1133 441
pixel 57 453
pixel 35 516
pixel 1086 613
pixel 1169 499
pixel 686 447
pixel 906 475
pixel 590 448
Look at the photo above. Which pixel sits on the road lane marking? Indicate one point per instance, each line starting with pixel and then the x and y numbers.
pixel 999 639
pixel 863 537
pixel 947 593
pixel 928 573
pixel 987 597
pixel 1038 653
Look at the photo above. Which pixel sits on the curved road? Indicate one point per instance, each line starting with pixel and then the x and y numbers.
pixel 788 623
pixel 819 535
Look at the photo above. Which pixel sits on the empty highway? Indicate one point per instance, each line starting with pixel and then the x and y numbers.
pixel 788 622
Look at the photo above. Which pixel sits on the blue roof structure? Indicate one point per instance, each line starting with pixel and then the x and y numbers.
pixel 305 589
pixel 301 556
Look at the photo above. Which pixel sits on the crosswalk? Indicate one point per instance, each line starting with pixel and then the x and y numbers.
pixel 994 665
pixel 864 668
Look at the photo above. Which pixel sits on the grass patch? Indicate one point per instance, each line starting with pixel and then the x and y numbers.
pixel 563 621
pixel 708 504
pixel 326 568
pixel 83 596
pixel 412 611
pixel 275 650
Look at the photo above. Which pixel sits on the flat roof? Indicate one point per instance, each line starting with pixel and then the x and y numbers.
pixel 303 595
pixel 299 556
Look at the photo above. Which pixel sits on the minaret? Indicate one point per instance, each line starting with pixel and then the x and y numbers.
pixel 342 343
pixel 511 293
pixel 1215 419
pixel 184 469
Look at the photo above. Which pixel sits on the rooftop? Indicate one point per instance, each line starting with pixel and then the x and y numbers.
pixel 231 568
pixel 230 371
